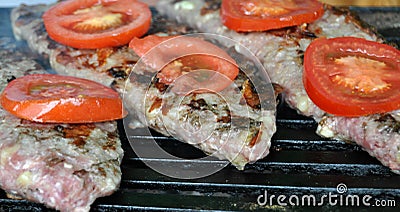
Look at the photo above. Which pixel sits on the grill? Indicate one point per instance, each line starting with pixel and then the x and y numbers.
pixel 300 164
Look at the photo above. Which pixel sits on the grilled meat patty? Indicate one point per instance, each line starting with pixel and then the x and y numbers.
pixel 281 52
pixel 246 141
pixel 64 166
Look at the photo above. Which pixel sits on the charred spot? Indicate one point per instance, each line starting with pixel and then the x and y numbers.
pixel 117 72
pixel 78 133
pixel 11 78
pixel 388 124
pixel 59 128
pixel 198 104
pixel 210 6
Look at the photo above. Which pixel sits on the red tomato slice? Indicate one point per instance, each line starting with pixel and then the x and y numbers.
pixel 182 55
pixel 94 24
pixel 262 15
pixel 53 98
pixel 350 76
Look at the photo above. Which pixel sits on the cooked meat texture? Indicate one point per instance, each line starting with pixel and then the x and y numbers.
pixel 378 134
pixel 247 141
pixel 65 167
pixel 281 52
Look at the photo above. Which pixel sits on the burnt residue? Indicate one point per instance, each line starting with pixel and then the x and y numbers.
pixel 117 72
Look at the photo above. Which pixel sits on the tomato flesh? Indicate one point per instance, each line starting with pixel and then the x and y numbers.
pixel 94 24
pixel 182 55
pixel 262 15
pixel 350 76
pixel 51 98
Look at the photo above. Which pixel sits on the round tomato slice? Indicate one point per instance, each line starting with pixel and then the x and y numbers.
pixel 262 15
pixel 94 24
pixel 350 76
pixel 177 56
pixel 53 98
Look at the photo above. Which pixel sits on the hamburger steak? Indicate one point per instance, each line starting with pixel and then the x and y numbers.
pixel 64 166
pixel 247 141
pixel 281 52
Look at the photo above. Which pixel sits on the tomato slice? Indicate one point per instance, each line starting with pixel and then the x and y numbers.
pixel 175 56
pixel 94 24
pixel 262 15
pixel 349 76
pixel 53 98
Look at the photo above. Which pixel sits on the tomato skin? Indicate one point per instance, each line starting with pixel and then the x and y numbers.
pixel 52 98
pixel 348 89
pixel 303 11
pixel 191 53
pixel 59 20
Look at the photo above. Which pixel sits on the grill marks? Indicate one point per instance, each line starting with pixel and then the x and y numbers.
pixel 78 133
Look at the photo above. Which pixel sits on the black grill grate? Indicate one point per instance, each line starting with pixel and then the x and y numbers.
pixel 300 163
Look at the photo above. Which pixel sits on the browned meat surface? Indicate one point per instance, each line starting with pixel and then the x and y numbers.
pixel 63 166
pixel 281 52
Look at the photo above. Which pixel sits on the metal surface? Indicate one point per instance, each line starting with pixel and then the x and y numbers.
pixel 300 163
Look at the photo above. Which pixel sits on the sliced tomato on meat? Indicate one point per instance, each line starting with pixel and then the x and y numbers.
pixel 53 98
pixel 350 76
pixel 175 56
pixel 94 24
pixel 262 15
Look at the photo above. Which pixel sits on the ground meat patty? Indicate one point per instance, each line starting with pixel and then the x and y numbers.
pixel 64 166
pixel 281 52
pixel 246 142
